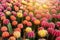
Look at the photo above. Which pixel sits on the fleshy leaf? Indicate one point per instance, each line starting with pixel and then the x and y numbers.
pixel 10 28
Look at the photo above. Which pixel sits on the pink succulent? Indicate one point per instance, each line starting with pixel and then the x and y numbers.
pixel 57 38
pixel 9 8
pixel 58 24
pixel 6 21
pixel 44 19
pixel 25 14
pixel 31 34
pixel 51 25
pixel 54 15
pixel 40 28
pixel 5 11
pixel 48 16
pixel 3 1
pixel 57 8
pixel 1 7
pixel 33 18
pixel 31 15
pixel 38 15
pixel 56 33
pixel 14 13
pixel 50 30
pixel 2 14
pixel 20 25
pixel 53 11
pixel 17 4
pixel 44 24
pixel 29 24
pixel 58 16
pixel 4 5
pixel 0 10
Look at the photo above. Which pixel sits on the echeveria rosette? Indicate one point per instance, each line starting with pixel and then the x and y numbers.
pixel 57 38
pixel 58 16
pixel 44 19
pixel 44 24
pixel 31 14
pixel 50 30
pixel 31 35
pixel 14 13
pixel 9 8
pixel 56 33
pixel 17 35
pixel 25 14
pixel 4 28
pixel 19 16
pixel 20 26
pixel 51 25
pixel 28 29
pixel 58 24
pixel 5 34
pixel 40 28
pixel 54 16
pixel 2 14
pixel 54 11
pixel 29 24
pixel 42 33
pixel 13 18
pixel 12 38
pixel 6 21
pixel 8 13
pixel 48 16
pixel 33 18
pixel 38 16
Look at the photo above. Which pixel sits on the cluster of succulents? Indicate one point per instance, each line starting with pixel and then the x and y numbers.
pixel 28 20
